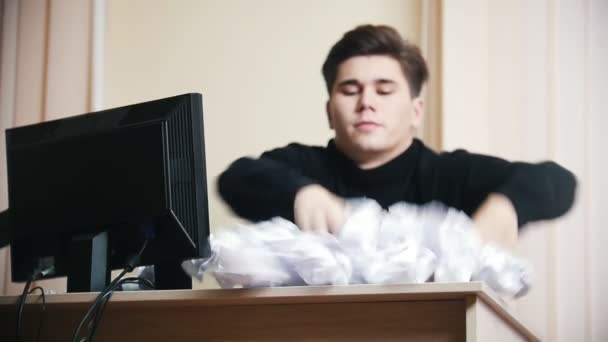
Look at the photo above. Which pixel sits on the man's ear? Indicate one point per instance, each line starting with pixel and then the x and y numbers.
pixel 328 113
pixel 417 111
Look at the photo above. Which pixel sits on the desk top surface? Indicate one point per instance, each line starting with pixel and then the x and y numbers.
pixel 287 294
pixel 290 295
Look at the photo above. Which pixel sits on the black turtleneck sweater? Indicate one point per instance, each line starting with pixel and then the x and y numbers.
pixel 259 189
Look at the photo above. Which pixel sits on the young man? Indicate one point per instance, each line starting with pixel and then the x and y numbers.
pixel 374 79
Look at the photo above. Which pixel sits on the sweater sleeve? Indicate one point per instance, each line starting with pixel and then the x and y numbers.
pixel 262 188
pixel 538 191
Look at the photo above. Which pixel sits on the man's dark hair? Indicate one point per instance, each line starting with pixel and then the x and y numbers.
pixel 368 40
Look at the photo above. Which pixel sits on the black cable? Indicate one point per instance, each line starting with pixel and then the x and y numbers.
pixel 99 313
pixel 43 309
pixel 97 316
pixel 101 307
pixel 93 316
pixel 22 299
pixel 95 305
pixel 137 280
pixel 20 305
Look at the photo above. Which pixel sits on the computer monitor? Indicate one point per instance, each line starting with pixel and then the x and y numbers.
pixel 86 191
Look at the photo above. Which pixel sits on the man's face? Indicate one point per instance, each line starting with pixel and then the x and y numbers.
pixel 371 109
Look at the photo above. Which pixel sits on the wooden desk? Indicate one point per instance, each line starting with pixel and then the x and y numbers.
pixel 418 312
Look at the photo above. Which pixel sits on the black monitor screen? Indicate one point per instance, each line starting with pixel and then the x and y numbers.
pixel 136 172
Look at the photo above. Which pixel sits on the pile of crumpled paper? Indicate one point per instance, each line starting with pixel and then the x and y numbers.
pixel 404 244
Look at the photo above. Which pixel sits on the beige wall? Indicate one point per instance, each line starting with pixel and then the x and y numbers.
pixel 257 64
pixel 527 80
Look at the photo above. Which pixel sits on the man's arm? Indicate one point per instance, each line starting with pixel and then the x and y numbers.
pixel 262 188
pixel 503 196
pixel 283 182
pixel 541 191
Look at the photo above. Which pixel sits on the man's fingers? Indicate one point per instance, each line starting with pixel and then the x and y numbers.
pixel 312 222
pixel 320 223
pixel 335 224
pixel 303 221
pixel 325 220
pixel 318 210
pixel 336 217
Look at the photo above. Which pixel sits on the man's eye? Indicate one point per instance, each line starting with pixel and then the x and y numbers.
pixel 350 90
pixel 385 91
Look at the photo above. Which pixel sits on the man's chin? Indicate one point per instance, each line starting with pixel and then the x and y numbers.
pixel 371 147
pixel 366 146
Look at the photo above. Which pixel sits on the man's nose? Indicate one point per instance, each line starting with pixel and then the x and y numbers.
pixel 367 100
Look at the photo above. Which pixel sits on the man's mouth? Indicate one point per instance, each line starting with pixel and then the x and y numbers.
pixel 366 125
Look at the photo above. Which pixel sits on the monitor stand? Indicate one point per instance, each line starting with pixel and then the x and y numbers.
pixel 88 266
pixel 169 275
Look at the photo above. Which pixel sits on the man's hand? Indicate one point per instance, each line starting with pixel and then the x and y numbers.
pixel 318 210
pixel 496 221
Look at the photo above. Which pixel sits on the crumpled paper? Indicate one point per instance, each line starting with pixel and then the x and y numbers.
pixel 405 244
